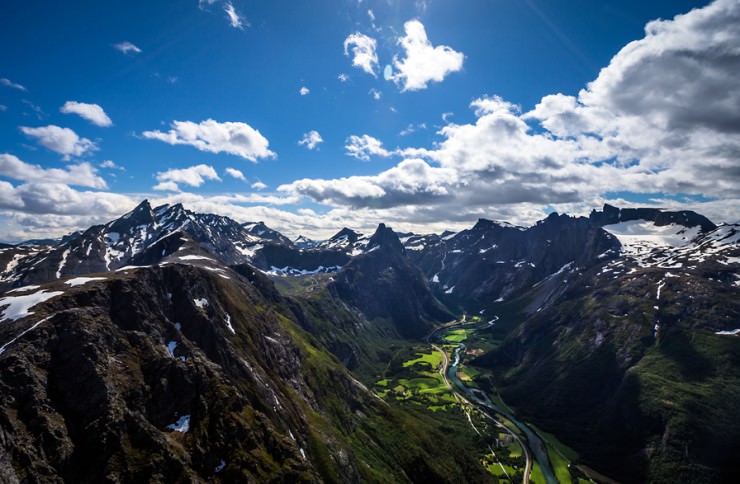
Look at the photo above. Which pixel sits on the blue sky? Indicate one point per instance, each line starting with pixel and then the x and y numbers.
pixel 188 61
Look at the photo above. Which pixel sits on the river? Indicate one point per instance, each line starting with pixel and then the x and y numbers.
pixel 535 444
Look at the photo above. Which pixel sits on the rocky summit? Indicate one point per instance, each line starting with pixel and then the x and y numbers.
pixel 174 346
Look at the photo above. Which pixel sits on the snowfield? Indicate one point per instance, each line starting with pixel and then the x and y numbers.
pixel 17 307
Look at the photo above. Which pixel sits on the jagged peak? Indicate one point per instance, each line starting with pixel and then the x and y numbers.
pixel 385 237
pixel 346 232
pixel 659 216
pixel 487 224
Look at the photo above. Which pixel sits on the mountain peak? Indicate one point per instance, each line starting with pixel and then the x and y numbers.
pixel 613 215
pixel 141 215
pixel 385 237
pixel 347 233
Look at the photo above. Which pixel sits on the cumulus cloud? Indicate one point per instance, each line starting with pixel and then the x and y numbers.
pixel 83 174
pixel 91 112
pixel 234 138
pixel 363 52
pixel 365 146
pixel 663 117
pixel 127 48
pixel 111 165
pixel 422 62
pixel 343 77
pixel 235 19
pixel 304 91
pixel 410 182
pixel 193 176
pixel 311 140
pixel 13 85
pixel 60 140
pixel 234 173
pixel 258 185
pixel 669 102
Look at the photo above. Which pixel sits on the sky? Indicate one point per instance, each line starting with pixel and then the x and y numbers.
pixel 313 115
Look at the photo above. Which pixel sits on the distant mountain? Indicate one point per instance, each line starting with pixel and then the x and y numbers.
pixel 383 283
pixel 346 240
pixel 263 232
pixel 647 336
pixel 211 347
pixel 304 242
pixel 495 261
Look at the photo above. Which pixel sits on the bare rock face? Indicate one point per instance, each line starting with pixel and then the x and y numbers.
pixel 383 283
pixel 190 373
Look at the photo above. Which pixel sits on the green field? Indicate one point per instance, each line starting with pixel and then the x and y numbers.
pixel 433 359
pixel 457 335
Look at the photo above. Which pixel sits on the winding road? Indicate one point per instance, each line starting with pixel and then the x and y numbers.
pixel 532 445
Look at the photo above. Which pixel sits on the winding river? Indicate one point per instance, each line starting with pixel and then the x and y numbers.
pixel 535 445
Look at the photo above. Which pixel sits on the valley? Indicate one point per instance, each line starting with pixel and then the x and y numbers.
pixel 597 349
pixel 440 379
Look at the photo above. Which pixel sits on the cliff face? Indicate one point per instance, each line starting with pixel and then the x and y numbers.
pixel 383 283
pixel 187 373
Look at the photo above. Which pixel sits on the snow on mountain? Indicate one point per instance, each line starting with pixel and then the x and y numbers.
pixel 674 246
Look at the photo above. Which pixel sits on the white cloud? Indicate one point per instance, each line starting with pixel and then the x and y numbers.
pixel 363 52
pixel 167 186
pixel 304 91
pixel 236 20
pixel 663 117
pixel 91 112
pixel 258 185
pixel 111 165
pixel 343 77
pixel 412 128
pixel 365 146
pixel 237 139
pixel 668 103
pixel 127 48
pixel 234 173
pixel 423 63
pixel 83 174
pixel 412 181
pixel 194 176
pixel 311 140
pixel 8 83
pixel 204 4
pixel 60 140
pixel 375 94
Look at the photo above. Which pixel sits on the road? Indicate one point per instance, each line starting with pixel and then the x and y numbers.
pixel 532 444
pixel 443 372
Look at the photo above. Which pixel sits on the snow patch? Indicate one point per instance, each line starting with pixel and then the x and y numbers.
pixel 196 257
pixel 62 263
pixel 182 425
pixel 228 324
pixel 23 289
pixel 660 286
pixel 17 307
pixel 201 303
pixel 171 348
pixel 78 281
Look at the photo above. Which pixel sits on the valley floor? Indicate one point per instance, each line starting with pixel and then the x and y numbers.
pixel 436 375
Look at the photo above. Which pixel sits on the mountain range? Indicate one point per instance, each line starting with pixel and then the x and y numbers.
pixel 180 346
